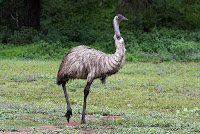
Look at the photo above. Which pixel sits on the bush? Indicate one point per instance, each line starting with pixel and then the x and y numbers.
pixel 25 36
pixel 38 50
pixel 45 50
pixel 82 34
pixel 5 34
pixel 104 42
pixel 184 47
pixel 162 45
pixel 157 45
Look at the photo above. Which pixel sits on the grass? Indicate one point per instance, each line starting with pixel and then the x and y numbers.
pixel 149 97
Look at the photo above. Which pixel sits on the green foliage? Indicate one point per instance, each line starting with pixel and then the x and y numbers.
pixel 5 34
pixel 157 45
pixel 143 14
pixel 184 47
pixel 37 50
pixel 25 36
pixel 163 44
pixel 81 34
pixel 9 10
pixel 152 32
pixel 104 42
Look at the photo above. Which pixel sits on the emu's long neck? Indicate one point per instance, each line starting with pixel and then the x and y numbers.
pixel 119 55
pixel 116 28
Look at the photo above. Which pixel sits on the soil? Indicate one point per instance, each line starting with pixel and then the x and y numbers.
pixel 22 131
pixel 112 117
pixel 70 124
pixel 53 128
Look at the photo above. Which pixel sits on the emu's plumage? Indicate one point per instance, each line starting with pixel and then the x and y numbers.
pixel 83 62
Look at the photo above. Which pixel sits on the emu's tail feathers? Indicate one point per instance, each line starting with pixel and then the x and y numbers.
pixel 59 80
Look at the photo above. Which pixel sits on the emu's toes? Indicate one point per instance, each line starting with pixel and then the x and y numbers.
pixel 83 122
pixel 68 114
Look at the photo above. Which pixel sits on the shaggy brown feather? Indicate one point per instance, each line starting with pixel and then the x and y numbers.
pixel 83 62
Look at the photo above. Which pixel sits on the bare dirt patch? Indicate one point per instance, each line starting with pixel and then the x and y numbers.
pixel 16 132
pixel 89 117
pixel 28 119
pixel 108 117
pixel 22 131
pixel 87 132
pixel 53 128
pixel 49 128
pixel 111 117
pixel 70 124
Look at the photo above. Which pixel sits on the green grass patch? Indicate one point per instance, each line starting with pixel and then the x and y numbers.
pixel 150 98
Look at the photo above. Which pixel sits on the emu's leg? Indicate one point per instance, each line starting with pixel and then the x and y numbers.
pixel 69 110
pixel 86 92
pixel 103 80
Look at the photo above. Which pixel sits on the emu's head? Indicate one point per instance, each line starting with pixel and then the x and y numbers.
pixel 119 18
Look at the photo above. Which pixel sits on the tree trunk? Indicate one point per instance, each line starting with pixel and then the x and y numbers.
pixel 32 14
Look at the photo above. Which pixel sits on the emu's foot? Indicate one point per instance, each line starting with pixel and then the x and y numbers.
pixel 83 122
pixel 68 114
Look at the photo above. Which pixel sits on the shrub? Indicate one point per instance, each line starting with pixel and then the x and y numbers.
pixel 25 36
pixel 45 50
pixel 37 50
pixel 5 34
pixel 184 47
pixel 157 45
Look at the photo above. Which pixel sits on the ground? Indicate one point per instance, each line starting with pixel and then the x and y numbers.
pixel 161 97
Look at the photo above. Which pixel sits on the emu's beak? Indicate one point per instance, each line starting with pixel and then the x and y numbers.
pixel 124 18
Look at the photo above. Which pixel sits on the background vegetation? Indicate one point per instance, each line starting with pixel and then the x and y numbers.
pixel 157 29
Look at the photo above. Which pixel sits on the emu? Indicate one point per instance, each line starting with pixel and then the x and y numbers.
pixel 83 62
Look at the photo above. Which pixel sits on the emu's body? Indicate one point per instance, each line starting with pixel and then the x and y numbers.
pixel 83 62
